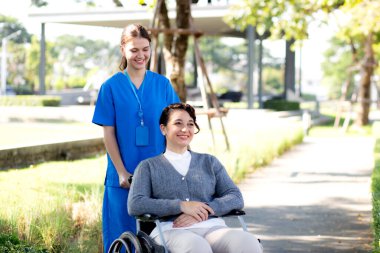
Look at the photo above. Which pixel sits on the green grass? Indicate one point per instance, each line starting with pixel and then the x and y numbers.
pixel 253 149
pixel 375 187
pixel 328 130
pixel 11 243
pixel 55 205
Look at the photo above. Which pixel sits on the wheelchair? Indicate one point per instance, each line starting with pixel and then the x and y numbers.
pixel 140 242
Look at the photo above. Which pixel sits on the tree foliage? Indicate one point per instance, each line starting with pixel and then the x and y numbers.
pixel 77 56
pixel 338 58
pixel 70 60
pixel 10 25
pixel 39 3
pixel 359 27
pixel 32 62
pixel 230 62
pixel 287 19
pixel 16 36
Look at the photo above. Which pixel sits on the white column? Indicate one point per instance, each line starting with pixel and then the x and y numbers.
pixel 3 66
pixel 4 61
pixel 251 36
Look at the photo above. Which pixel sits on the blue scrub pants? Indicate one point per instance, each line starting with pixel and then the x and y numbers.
pixel 115 218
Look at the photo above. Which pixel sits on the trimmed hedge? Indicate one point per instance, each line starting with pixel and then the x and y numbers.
pixel 30 100
pixel 281 105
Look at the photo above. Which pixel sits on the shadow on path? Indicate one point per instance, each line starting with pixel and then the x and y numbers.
pixel 315 198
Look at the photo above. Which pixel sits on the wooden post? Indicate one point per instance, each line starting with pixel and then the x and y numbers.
pixel 207 90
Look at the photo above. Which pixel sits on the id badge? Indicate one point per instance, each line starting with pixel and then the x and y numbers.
pixel 142 136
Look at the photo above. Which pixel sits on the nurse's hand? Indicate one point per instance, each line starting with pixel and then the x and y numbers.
pixel 123 180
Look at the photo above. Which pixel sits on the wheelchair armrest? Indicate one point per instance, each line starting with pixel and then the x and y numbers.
pixel 234 212
pixel 147 217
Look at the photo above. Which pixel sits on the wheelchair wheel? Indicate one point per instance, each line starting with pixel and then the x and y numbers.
pixel 148 245
pixel 129 241
pixel 117 245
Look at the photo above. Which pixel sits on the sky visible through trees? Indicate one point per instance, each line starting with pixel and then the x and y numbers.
pixel 311 56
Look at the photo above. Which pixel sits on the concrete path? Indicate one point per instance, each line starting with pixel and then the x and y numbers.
pixel 314 198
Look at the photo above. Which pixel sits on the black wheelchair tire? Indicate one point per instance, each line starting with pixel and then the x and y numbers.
pixel 132 238
pixel 148 244
pixel 145 242
pixel 117 244
pixel 126 239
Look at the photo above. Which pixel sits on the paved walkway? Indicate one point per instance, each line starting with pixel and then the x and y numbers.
pixel 314 198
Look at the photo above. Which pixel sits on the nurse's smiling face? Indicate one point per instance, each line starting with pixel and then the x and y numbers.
pixel 137 53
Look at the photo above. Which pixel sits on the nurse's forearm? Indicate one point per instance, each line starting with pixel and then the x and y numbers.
pixel 113 151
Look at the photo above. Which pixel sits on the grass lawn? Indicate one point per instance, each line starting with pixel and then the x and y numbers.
pixel 328 130
pixel 55 204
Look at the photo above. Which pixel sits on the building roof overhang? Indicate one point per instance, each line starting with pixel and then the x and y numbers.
pixel 208 19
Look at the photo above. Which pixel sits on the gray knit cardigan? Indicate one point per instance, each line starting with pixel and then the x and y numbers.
pixel 158 188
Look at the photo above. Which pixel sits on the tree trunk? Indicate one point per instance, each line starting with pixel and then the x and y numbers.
pixel 165 22
pixel 177 75
pixel 175 46
pixel 367 69
pixel 290 71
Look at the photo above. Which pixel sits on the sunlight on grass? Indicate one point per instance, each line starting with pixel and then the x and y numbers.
pixel 328 129
pixel 52 202
pixel 375 187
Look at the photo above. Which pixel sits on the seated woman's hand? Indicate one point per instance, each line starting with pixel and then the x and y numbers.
pixel 184 220
pixel 198 210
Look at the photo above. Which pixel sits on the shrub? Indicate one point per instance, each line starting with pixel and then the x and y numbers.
pixel 76 82
pixel 30 100
pixel 23 90
pixel 10 243
pixel 281 105
pixel 53 101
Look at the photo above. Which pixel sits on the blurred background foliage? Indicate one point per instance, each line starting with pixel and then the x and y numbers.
pixel 71 61
pixel 74 61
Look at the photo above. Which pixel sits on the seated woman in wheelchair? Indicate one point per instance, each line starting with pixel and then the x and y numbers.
pixel 191 187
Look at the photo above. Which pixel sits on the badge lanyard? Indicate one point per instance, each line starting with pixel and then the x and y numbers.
pixel 140 112
pixel 142 132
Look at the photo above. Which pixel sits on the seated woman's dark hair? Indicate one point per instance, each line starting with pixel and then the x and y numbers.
pixel 165 115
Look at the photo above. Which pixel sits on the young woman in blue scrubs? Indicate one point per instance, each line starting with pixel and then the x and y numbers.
pixel 128 108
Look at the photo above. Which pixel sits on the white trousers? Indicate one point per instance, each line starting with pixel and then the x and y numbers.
pixel 210 240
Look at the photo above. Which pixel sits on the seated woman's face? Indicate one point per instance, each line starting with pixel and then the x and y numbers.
pixel 179 131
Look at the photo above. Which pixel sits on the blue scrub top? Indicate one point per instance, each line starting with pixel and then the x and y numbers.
pixel 117 106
